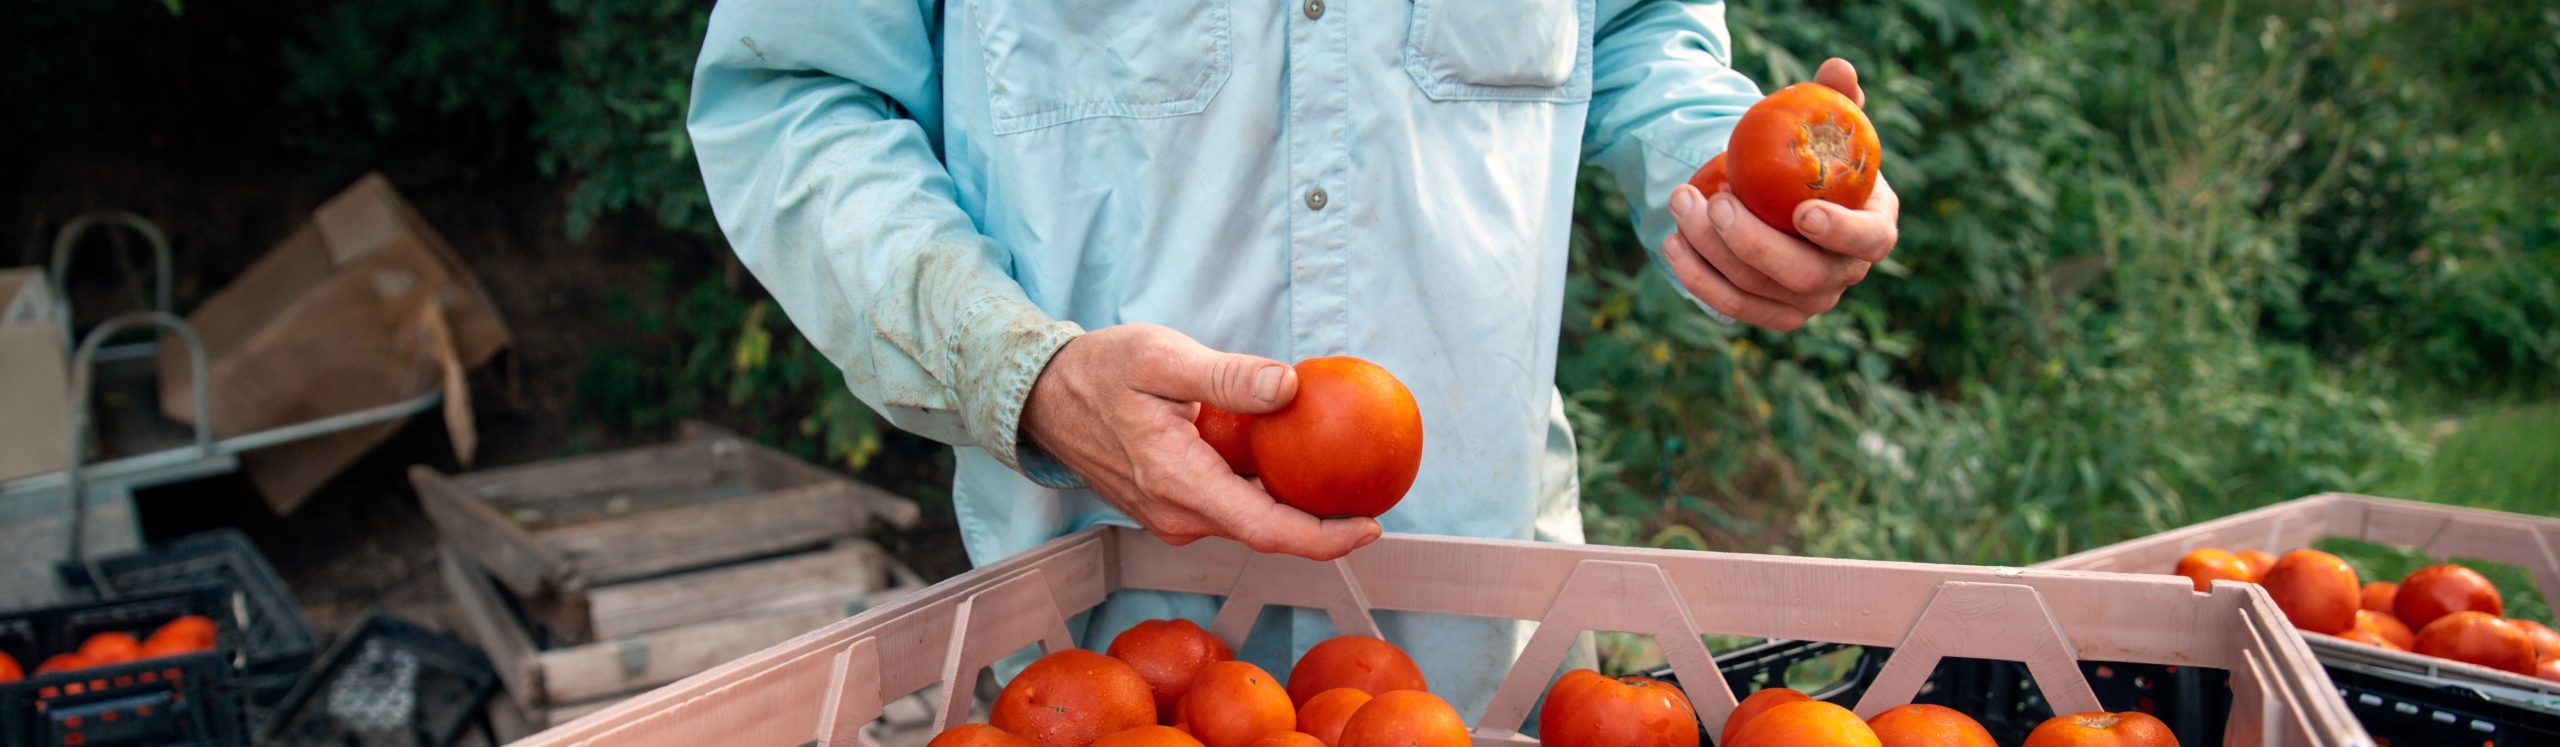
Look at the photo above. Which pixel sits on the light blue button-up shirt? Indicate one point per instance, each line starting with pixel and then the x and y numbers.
pixel 941 194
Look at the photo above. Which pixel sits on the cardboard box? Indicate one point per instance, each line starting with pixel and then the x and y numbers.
pixel 364 306
pixel 35 380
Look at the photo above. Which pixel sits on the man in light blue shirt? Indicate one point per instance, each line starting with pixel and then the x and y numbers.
pixel 1041 230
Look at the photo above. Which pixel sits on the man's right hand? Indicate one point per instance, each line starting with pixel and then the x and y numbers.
pixel 1115 405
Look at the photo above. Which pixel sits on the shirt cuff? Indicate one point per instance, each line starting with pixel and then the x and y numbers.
pixel 1024 344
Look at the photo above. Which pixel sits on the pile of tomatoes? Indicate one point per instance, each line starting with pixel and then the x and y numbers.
pixel 2444 611
pixel 1168 683
pixel 1780 717
pixel 186 634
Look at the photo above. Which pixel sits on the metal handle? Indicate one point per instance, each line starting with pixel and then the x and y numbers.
pixel 82 365
pixel 69 238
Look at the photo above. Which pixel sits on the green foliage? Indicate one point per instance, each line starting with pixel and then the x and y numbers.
pixel 387 62
pixel 613 116
pixel 713 351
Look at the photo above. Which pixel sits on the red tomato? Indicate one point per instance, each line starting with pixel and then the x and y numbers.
pixel 2127 729
pixel 1710 178
pixel 2547 668
pixel 64 663
pixel 111 647
pixel 2546 642
pixel 1584 709
pixel 2259 563
pixel 1758 703
pixel 1231 434
pixel 9 671
pixel 1811 723
pixel 1921 725
pixel 185 634
pixel 2438 590
pixel 2316 590
pixel 976 735
pixel 1349 445
pixel 1358 662
pixel 1805 142
pixel 2383 624
pixel 2378 596
pixel 1405 718
pixel 2204 565
pixel 2477 638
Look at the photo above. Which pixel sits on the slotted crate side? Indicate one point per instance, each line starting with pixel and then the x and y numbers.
pixel 2528 542
pixel 174 701
pixel 276 639
pixel 447 692
pixel 825 685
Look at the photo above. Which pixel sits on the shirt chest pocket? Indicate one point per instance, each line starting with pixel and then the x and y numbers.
pixel 1500 50
pixel 1050 62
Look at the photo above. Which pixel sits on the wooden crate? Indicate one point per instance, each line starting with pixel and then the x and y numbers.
pixel 827 685
pixel 550 531
pixel 664 629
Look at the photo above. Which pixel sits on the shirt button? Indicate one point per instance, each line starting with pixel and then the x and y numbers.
pixel 1315 198
pixel 1315 9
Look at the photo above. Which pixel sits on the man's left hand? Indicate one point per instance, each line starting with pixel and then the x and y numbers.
pixel 1761 276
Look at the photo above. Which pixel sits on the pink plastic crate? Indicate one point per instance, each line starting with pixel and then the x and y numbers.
pixel 2528 542
pixel 826 685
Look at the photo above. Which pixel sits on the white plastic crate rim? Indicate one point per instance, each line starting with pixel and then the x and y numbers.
pixel 826 685
pixel 2443 532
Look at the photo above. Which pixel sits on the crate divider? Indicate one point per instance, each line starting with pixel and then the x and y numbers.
pixel 1608 595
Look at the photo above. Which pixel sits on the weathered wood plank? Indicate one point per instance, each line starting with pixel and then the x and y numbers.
pixel 483 619
pixel 669 539
pixel 595 670
pixel 478 532
pixel 836 577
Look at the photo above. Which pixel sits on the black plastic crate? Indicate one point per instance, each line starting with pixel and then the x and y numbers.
pixel 2405 710
pixel 2001 695
pixel 277 644
pixel 389 682
pixel 175 701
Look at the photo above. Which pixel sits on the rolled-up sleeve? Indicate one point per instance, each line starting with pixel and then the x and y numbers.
pixel 811 120
pixel 1664 98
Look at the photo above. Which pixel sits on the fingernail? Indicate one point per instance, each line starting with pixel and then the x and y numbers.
pixel 1720 210
pixel 1683 201
pixel 1814 222
pixel 1266 383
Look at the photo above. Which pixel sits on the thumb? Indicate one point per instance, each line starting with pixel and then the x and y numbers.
pixel 1233 382
pixel 1838 75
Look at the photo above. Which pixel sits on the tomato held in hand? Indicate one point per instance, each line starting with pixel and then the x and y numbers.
pixel 2204 565
pixel 2316 590
pixel 1350 444
pixel 1168 653
pixel 1805 142
pixel 1230 434
pixel 2127 729
pixel 2438 590
pixel 1585 709
pixel 1758 703
pixel 2477 638
pixel 1710 178
pixel 1922 725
